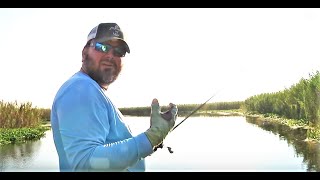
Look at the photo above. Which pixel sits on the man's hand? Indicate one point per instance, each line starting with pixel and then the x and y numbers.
pixel 160 123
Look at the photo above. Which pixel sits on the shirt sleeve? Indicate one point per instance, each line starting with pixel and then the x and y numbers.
pixel 84 125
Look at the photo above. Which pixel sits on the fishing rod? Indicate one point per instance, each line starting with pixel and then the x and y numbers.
pixel 190 114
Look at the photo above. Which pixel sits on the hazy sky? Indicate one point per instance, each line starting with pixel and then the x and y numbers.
pixel 177 55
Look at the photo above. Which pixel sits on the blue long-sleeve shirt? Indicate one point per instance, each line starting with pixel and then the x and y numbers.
pixel 89 133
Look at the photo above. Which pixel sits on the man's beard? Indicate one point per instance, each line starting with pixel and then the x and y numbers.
pixel 102 76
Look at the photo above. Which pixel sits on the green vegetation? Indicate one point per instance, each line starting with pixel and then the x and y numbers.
pixel 19 135
pixel 14 115
pixel 21 122
pixel 298 105
pixel 300 102
pixel 185 109
pixel 231 112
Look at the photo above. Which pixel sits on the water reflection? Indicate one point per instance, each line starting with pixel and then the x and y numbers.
pixel 31 156
pixel 201 144
pixel 18 156
pixel 294 137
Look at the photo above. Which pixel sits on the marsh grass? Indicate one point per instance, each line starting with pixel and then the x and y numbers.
pixel 300 102
pixel 19 115
pixel 20 122
pixel 185 109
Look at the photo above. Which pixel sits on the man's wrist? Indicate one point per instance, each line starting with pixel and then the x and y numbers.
pixel 153 137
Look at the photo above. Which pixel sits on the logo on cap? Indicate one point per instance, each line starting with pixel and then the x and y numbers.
pixel 115 30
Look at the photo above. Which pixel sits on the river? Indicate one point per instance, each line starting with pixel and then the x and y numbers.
pixel 210 144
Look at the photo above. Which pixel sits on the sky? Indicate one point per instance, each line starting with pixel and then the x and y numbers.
pixel 183 56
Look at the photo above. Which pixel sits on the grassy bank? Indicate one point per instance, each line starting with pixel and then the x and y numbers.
pixel 20 122
pixel 230 112
pixel 313 132
pixel 20 135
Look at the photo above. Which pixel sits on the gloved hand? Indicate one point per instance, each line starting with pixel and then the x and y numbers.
pixel 161 123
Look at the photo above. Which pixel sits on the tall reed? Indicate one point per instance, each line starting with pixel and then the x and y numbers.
pixel 18 115
pixel 301 101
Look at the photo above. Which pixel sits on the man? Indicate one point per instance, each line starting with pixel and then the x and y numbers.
pixel 88 130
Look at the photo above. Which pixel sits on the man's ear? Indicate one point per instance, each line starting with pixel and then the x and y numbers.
pixel 84 53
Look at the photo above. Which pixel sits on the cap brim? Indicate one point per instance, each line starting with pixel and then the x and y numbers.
pixel 126 46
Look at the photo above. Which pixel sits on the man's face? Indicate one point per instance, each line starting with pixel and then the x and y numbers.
pixel 103 67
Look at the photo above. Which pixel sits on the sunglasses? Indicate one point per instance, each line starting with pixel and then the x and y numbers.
pixel 117 51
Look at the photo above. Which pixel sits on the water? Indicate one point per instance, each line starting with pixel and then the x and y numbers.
pixel 31 156
pixel 224 144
